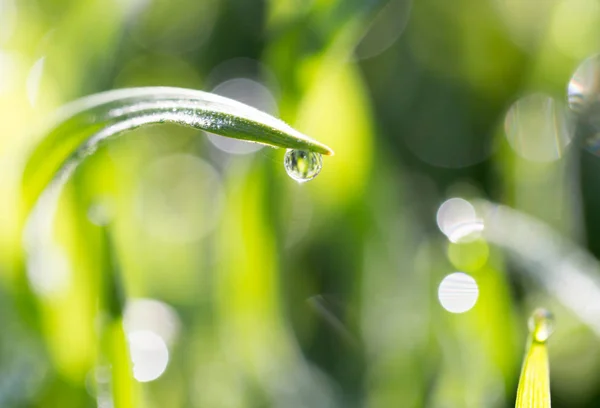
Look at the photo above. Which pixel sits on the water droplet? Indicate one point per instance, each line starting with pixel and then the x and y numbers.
pixel 302 165
pixel 541 325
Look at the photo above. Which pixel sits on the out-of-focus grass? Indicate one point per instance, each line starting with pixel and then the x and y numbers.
pixel 231 251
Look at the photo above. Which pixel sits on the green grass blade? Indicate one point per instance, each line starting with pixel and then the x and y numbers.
pixel 114 343
pixel 534 384
pixel 113 297
pixel 84 124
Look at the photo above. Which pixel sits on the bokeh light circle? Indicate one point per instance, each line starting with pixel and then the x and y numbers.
pixel 584 86
pixel 180 199
pixel 152 315
pixel 457 219
pixel 538 129
pixel 468 256
pixel 251 93
pixel 574 28
pixel 458 292
pixel 385 29
pixel 149 355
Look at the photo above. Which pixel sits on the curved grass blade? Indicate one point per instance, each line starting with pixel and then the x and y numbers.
pixel 84 124
pixel 562 267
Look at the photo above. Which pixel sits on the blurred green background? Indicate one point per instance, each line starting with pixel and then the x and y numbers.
pixel 244 288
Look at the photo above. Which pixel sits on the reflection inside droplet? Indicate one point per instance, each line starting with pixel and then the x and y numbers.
pixel 457 219
pixel 302 165
pixel 537 128
pixel 541 325
pixel 149 355
pixel 458 292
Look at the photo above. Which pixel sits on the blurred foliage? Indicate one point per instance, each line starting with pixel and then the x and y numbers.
pixel 220 282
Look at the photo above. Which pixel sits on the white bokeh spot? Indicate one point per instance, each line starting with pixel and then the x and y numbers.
pixel 458 292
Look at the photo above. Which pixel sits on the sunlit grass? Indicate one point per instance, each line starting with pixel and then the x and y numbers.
pixel 534 384
pixel 415 97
